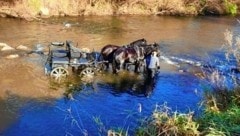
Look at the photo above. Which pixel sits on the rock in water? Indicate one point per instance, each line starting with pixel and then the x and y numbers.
pixel 3 44
pixel 6 47
pixel 12 56
pixel 22 47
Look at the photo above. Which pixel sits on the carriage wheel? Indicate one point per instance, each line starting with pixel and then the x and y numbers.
pixel 59 73
pixel 87 72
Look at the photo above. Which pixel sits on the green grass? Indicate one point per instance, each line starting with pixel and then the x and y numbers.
pixel 221 117
pixel 230 7
pixel 224 122
pixel 35 4
pixel 165 122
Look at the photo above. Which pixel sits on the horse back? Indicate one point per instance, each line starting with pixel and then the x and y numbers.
pixel 108 50
pixel 125 54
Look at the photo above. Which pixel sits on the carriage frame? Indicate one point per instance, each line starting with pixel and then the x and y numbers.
pixel 62 57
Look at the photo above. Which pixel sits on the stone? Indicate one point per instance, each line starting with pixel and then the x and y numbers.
pixel 3 44
pixel 22 47
pixel 12 56
pixel 7 48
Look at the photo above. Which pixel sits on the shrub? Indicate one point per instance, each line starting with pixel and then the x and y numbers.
pixel 165 122
pixel 35 4
pixel 221 123
pixel 222 105
pixel 230 7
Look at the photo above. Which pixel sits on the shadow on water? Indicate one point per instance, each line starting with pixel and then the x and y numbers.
pixel 125 82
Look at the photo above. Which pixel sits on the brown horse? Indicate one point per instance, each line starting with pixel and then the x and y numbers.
pixel 152 47
pixel 132 55
pixel 107 53
pixel 108 50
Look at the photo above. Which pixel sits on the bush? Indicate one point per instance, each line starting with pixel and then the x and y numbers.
pixel 230 7
pixel 165 122
pixel 221 123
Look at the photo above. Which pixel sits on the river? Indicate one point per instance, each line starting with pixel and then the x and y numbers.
pixel 30 105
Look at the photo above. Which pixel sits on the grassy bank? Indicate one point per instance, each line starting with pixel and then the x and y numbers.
pixel 29 9
pixel 217 121
pixel 221 106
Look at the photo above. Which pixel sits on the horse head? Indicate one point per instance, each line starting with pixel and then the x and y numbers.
pixel 152 47
pixel 156 47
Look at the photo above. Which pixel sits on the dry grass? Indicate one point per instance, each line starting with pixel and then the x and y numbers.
pixel 164 122
pixel 232 46
pixel 43 8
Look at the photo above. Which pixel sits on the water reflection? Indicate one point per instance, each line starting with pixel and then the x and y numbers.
pixel 128 82
pixel 125 82
pixel 148 85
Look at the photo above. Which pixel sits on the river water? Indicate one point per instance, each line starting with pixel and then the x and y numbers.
pixel 29 105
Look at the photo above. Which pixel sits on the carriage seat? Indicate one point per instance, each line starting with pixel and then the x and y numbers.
pixel 73 51
pixel 57 60
pixel 59 53
pixel 83 61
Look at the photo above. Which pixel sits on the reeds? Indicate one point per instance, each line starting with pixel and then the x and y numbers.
pixel 165 122
pixel 222 103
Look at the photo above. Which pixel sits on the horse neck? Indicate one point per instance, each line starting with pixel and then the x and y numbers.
pixel 140 52
pixel 139 40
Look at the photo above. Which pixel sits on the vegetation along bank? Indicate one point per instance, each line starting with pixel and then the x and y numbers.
pixel 35 9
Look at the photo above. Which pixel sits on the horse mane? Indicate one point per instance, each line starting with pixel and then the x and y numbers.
pixel 139 40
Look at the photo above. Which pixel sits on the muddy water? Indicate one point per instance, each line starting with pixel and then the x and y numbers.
pixel 30 105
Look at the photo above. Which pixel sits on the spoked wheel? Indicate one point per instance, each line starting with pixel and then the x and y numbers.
pixel 59 73
pixel 87 72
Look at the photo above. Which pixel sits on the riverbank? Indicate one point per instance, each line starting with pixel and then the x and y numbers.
pixel 36 9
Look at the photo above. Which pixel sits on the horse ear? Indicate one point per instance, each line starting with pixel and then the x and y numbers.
pixel 145 40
